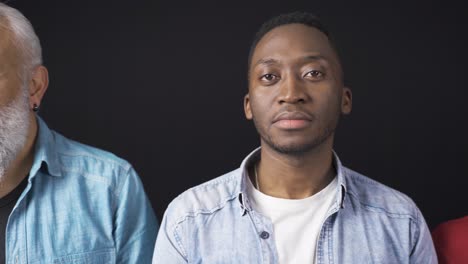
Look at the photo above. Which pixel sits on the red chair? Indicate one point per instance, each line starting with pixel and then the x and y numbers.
pixel 451 241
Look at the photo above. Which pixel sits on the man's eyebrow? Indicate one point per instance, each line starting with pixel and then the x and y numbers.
pixel 315 58
pixel 267 61
pixel 271 61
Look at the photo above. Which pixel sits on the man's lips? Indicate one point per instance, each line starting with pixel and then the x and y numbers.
pixel 292 120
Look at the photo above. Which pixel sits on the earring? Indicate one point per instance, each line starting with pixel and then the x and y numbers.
pixel 35 108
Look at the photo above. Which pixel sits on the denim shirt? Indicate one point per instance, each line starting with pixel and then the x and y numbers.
pixel 81 205
pixel 368 223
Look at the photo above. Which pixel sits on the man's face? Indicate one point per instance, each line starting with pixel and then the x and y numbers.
pixel 296 93
pixel 14 105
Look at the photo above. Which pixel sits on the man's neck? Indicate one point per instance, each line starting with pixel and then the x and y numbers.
pixel 294 176
pixel 20 167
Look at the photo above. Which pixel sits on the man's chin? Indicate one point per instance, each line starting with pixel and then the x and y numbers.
pixel 292 148
pixel 297 146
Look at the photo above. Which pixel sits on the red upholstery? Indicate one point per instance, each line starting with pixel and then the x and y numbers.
pixel 451 241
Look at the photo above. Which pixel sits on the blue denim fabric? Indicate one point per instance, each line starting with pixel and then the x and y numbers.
pixel 81 205
pixel 368 223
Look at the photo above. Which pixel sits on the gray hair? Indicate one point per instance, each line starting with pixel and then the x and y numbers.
pixel 24 39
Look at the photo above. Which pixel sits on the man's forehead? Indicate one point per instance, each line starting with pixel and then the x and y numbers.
pixel 295 41
pixel 8 54
pixel 5 30
pixel 5 38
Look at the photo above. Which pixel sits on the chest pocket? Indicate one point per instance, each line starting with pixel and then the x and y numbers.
pixel 106 256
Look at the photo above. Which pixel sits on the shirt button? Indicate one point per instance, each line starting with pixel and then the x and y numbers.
pixel 264 235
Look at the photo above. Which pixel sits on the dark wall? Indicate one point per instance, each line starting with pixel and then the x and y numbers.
pixel 161 85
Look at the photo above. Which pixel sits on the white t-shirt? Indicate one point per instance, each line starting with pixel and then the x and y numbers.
pixel 296 223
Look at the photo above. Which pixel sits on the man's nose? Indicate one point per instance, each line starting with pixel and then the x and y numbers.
pixel 292 90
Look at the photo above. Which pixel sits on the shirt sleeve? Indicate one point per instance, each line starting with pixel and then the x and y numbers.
pixel 135 225
pixel 168 248
pixel 423 250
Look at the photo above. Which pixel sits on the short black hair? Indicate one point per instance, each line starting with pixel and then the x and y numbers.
pixel 304 18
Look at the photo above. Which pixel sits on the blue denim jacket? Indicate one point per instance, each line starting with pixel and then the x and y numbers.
pixel 368 223
pixel 81 205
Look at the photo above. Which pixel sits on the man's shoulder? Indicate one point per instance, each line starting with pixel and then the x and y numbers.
pixel 206 198
pixel 70 148
pixel 90 162
pixel 377 197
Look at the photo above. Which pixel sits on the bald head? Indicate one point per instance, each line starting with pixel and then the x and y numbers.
pixel 17 33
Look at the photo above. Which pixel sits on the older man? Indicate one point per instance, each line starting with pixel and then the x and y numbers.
pixel 292 201
pixel 60 201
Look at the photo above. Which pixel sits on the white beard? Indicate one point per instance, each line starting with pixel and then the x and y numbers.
pixel 14 125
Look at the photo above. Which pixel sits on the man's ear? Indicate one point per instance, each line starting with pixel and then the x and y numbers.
pixel 38 86
pixel 346 101
pixel 247 109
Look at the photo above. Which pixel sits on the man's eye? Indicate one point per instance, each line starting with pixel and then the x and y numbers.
pixel 314 74
pixel 268 77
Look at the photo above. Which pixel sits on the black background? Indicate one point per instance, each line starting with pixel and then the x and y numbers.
pixel 161 83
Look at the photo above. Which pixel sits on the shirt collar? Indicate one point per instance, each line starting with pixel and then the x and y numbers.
pixel 242 189
pixel 255 155
pixel 45 151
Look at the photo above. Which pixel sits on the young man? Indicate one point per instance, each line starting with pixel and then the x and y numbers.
pixel 292 201
pixel 60 201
